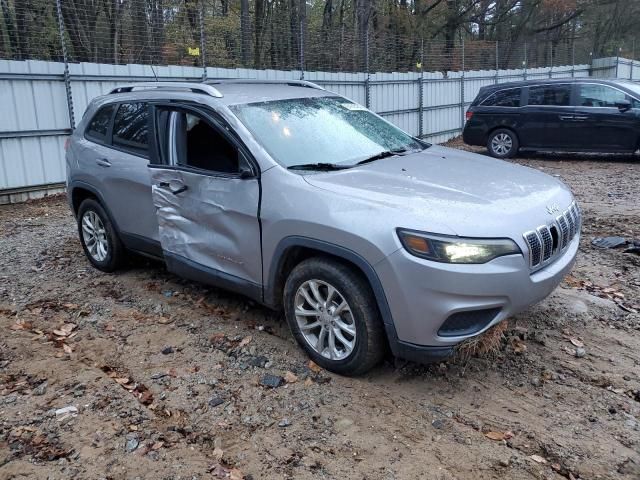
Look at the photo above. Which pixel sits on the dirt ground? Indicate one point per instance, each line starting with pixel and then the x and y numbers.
pixel 165 377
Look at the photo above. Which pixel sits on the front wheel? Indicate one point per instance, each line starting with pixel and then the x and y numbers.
pixel 503 143
pixel 333 315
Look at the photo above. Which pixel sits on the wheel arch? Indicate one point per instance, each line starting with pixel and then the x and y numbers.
pixel 80 191
pixel 292 250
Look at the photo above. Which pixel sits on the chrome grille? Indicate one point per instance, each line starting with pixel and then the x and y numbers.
pixel 563 225
pixel 543 248
pixel 535 247
pixel 547 242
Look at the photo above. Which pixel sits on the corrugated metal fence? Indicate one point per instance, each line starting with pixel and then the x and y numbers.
pixel 37 115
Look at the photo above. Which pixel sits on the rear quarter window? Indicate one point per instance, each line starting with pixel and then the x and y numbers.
pixel 504 98
pixel 98 127
pixel 131 127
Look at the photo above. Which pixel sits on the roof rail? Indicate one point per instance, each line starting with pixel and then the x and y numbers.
pixel 190 86
pixel 299 83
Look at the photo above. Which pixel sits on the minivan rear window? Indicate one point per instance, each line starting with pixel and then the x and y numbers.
pixel 99 125
pixel 130 127
pixel 553 95
pixel 509 97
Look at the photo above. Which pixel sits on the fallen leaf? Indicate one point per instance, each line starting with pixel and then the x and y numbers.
pixel 218 453
pixel 576 342
pixel 236 474
pixel 290 377
pixel 313 366
pixel 308 382
pixel 538 459
pixel 67 348
pixel 123 380
pixel 157 446
pixel 22 326
pixel 518 346
pixel 498 436
pixel 146 398
pixel 245 341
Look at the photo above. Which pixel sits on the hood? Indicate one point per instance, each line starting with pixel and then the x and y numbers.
pixel 470 194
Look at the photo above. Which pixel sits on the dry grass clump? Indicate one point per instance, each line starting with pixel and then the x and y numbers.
pixel 485 345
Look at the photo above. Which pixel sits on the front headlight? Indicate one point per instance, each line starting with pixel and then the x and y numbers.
pixel 441 248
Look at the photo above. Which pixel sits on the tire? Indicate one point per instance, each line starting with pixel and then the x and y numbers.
pixel 503 143
pixel 97 225
pixel 360 315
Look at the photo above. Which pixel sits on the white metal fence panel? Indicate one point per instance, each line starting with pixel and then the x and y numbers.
pixel 35 114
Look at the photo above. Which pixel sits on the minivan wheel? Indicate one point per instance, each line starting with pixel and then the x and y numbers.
pixel 333 315
pixel 99 239
pixel 503 143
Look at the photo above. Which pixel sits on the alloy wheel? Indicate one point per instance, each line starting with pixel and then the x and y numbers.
pixel 325 319
pixel 502 144
pixel 95 236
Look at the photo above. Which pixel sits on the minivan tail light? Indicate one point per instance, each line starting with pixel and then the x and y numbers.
pixel 469 114
pixel 66 143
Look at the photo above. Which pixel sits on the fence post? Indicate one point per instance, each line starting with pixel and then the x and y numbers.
pixel 67 77
pixel 550 60
pixel 301 50
pixel 633 58
pixel 367 87
pixel 203 59
pixel 524 63
pixel 496 81
pixel 617 62
pixel 421 92
pixel 462 113
pixel 573 58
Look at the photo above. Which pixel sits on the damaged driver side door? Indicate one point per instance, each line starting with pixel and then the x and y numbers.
pixel 206 192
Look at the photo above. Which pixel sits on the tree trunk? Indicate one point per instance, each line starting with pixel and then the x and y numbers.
pixel 245 31
pixel 14 48
pixel 257 50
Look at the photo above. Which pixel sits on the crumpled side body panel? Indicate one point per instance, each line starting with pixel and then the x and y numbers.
pixel 213 223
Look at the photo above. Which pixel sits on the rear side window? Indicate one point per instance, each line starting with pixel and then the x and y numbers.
pixel 552 95
pixel 131 127
pixel 504 98
pixel 99 125
pixel 593 95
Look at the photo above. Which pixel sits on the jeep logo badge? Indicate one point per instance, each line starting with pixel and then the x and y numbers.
pixel 553 208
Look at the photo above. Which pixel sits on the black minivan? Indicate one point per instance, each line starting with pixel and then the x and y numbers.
pixel 577 115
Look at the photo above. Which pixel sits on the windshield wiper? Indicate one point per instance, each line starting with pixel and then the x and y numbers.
pixel 325 167
pixel 383 154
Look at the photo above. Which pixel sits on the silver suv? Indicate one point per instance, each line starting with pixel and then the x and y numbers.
pixel 305 201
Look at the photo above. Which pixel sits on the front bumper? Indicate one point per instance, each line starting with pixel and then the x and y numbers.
pixel 422 295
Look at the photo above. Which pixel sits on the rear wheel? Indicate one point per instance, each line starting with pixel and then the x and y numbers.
pixel 333 315
pixel 100 242
pixel 503 143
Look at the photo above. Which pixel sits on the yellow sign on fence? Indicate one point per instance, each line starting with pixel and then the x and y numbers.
pixel 194 52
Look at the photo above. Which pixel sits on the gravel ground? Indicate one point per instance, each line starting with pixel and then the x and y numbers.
pixel 143 375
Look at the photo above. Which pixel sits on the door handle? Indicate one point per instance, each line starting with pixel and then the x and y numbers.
pixel 175 191
pixel 103 162
pixel 581 118
pixel 566 117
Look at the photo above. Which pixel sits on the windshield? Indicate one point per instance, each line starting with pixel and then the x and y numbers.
pixel 321 130
pixel 634 87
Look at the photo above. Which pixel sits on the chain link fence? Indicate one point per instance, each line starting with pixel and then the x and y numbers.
pixel 210 33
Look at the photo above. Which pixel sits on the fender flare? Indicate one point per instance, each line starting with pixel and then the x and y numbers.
pixel 339 251
pixel 87 186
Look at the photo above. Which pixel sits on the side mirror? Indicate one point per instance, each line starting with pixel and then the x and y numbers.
pixel 623 105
